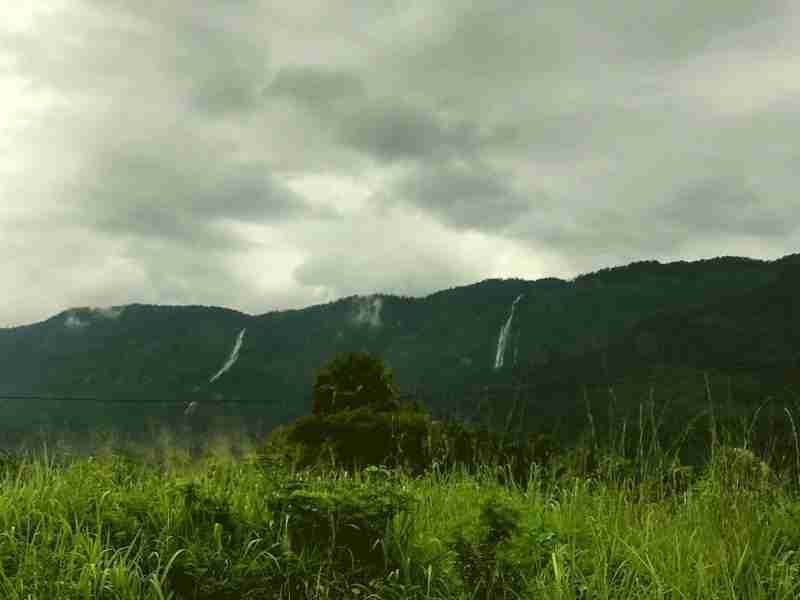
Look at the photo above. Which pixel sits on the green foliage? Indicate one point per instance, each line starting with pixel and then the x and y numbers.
pixel 111 527
pixel 734 470
pixel 406 437
pixel 451 445
pixel 10 464
pixel 346 516
pixel 485 576
pixel 729 312
pixel 277 454
pixel 202 511
pixel 352 380
pixel 579 461
pixel 361 437
pixel 356 421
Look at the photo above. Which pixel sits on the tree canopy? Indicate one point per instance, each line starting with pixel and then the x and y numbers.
pixel 352 380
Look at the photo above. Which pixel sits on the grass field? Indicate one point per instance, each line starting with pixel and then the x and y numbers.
pixel 159 520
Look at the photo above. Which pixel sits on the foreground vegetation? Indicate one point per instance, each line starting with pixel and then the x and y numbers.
pixel 155 522
pixel 368 497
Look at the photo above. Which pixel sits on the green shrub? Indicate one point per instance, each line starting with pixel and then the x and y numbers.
pixel 361 437
pixel 276 454
pixel 348 517
pixel 579 461
pixel 452 444
pixel 10 464
pixel 357 421
pixel 484 573
pixel 737 469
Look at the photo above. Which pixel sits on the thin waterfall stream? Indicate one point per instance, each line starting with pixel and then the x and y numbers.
pixel 502 340
pixel 232 358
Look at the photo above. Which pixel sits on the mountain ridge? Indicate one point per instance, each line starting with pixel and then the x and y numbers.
pixel 582 277
pixel 441 345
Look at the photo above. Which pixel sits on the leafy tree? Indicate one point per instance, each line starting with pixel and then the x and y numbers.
pixel 353 380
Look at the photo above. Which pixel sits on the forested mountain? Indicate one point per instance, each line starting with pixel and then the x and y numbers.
pixel 722 314
pixel 738 351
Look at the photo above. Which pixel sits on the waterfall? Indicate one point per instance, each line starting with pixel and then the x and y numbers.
pixel 502 341
pixel 232 358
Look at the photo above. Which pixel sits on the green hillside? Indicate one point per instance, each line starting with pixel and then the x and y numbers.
pixel 724 314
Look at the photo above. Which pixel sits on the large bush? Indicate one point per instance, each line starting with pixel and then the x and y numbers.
pixel 350 515
pixel 357 421
pixel 362 437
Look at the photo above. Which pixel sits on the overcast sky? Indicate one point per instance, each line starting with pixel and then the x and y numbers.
pixel 265 155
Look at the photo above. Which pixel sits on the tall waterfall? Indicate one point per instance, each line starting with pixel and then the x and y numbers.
pixel 232 358
pixel 502 341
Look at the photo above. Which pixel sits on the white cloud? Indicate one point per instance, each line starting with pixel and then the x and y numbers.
pixel 73 321
pixel 737 83
pixel 368 311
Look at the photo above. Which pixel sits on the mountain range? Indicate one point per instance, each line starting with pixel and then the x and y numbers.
pixel 455 349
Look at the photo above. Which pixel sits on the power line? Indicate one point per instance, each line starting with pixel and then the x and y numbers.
pixel 149 400
pixel 38 397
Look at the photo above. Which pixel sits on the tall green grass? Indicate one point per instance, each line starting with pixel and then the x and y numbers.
pixel 618 515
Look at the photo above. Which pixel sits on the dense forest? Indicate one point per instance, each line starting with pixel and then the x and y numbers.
pixel 648 330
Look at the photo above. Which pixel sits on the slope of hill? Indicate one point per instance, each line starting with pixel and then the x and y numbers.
pixel 712 312
pixel 125 351
pixel 756 330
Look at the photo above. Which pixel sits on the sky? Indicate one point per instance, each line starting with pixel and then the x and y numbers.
pixel 265 155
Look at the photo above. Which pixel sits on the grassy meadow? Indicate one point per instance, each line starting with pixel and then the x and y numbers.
pixel 616 516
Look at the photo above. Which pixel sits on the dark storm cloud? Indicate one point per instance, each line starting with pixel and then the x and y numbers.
pixel 197 184
pixel 386 129
pixel 157 191
pixel 317 88
pixel 391 130
pixel 465 195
